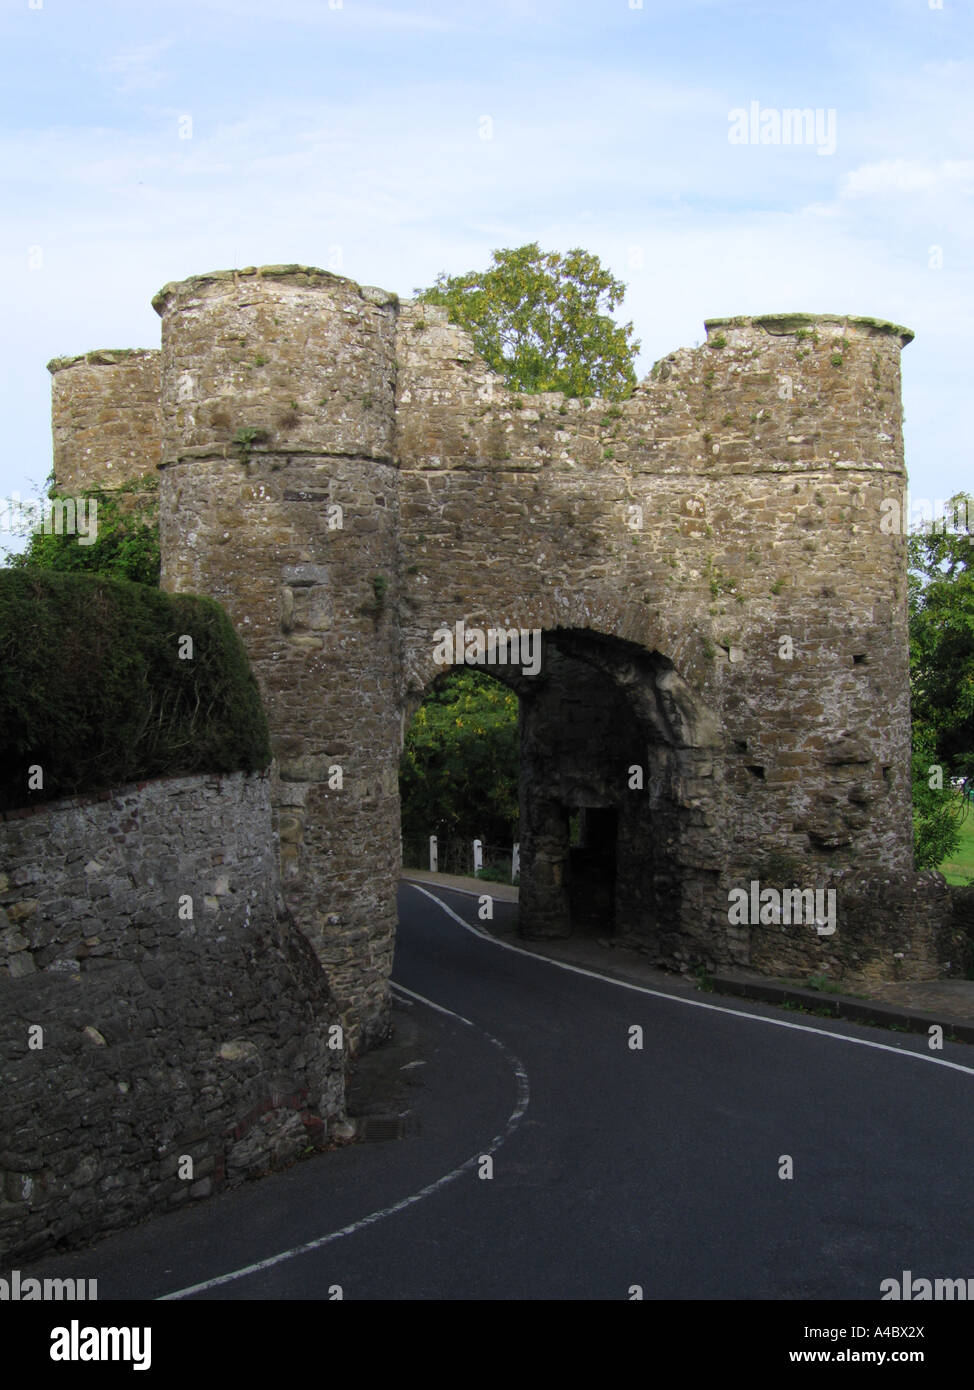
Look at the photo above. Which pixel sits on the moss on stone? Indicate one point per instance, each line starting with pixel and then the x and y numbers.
pixel 100 357
pixel 784 324
pixel 302 274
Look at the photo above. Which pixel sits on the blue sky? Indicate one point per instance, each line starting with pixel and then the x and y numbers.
pixel 392 141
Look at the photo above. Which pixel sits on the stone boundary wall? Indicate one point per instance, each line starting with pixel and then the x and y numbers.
pixel 157 1005
pixel 902 928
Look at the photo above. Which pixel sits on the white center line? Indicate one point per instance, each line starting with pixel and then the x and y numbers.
pixel 514 1119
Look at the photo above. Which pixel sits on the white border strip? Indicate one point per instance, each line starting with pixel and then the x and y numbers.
pixel 680 999
pixel 514 1119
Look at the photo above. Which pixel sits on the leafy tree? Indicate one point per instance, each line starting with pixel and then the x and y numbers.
pixel 127 537
pixel 458 776
pixel 941 594
pixel 938 810
pixel 541 320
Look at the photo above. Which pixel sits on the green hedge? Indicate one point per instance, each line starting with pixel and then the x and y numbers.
pixel 93 689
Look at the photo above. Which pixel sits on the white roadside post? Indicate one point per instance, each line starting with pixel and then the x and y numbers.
pixel 432 854
pixel 478 857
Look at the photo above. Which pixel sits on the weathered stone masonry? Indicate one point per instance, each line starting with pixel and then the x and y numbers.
pixel 722 607
pixel 134 1035
pixel 105 423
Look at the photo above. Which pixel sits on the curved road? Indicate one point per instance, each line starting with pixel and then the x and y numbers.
pixel 612 1166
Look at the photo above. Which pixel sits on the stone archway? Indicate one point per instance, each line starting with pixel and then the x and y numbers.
pixel 613 740
pixel 613 735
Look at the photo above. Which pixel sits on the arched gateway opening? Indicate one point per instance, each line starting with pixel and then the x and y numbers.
pixel 614 743
pixel 619 802
pixel 459 776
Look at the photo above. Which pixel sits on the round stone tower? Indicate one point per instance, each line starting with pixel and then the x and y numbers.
pixel 279 499
pixel 105 418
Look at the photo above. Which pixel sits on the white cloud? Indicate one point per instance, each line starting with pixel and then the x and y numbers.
pixel 135 68
pixel 905 177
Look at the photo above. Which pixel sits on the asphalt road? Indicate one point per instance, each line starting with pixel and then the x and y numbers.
pixel 610 1166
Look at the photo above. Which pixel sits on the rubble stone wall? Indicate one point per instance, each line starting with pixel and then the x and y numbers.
pixel 164 1026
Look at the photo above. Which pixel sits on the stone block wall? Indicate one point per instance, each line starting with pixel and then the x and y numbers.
pixel 164 1027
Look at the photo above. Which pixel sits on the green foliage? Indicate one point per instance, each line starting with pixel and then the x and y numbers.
pixel 824 985
pixel 493 875
pixel 246 437
pixel 941 594
pixel 127 543
pixel 937 812
pixel 94 691
pixel 958 867
pixel 541 320
pixel 458 776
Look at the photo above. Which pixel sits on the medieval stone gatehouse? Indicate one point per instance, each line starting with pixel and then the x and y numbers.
pixel 713 567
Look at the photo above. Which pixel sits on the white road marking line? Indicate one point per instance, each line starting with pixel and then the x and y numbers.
pixel 692 1003
pixel 514 1119
pixel 449 888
